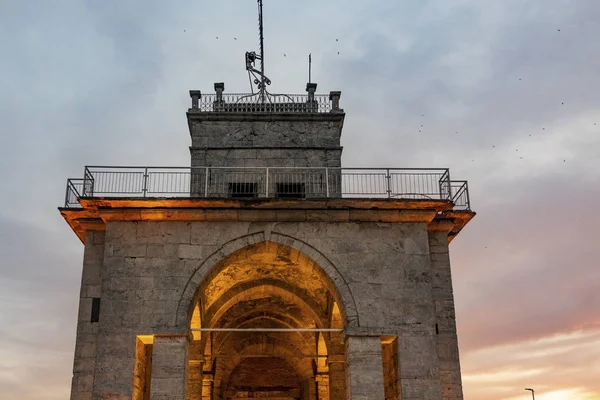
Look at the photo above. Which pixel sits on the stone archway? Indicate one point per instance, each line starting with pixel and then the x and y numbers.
pixel 267 306
pixel 346 304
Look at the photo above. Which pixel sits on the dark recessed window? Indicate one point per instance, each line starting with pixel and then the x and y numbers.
pixel 291 190
pixel 242 190
pixel 95 309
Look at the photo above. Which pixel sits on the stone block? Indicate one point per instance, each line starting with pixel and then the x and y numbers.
pixel 125 250
pixel 164 232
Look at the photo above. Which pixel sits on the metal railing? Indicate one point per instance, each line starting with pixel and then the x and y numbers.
pixel 460 195
pixel 248 183
pixel 273 103
pixel 74 190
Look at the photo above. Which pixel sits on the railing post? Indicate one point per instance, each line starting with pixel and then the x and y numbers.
pixel 267 183
pixel 388 178
pixel 335 101
pixel 87 177
pixel 219 89
pixel 195 95
pixel 145 187
pixel 311 88
pixel 67 194
pixel 206 182
pixel 327 181
pixel 449 185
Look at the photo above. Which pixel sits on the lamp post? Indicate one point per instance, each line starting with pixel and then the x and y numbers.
pixel 532 393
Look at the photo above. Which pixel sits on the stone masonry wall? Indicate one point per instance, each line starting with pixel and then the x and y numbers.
pixel 87 331
pixel 147 265
pixel 446 339
pixel 271 143
pixel 301 132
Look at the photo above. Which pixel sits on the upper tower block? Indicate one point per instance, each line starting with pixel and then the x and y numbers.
pixel 265 130
pixel 262 129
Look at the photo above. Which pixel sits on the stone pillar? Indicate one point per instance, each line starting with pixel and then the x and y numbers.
pixel 364 374
pixel 195 380
pixel 389 345
pixel 309 390
pixel 443 297
pixel 322 380
pixel 417 356
pixel 169 367
pixel 337 377
pixel 87 331
pixel 311 88
pixel 419 375
pixel 335 101
pixel 207 386
pixel 195 95
pixel 219 89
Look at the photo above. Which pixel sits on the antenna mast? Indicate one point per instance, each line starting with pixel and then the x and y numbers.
pixel 309 67
pixel 260 79
pixel 261 36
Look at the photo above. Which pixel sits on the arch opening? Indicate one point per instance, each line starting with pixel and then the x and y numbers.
pixel 268 310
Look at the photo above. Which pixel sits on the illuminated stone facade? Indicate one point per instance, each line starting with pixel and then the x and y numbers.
pixel 280 299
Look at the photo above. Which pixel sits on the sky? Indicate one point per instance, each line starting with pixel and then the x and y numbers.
pixel 507 93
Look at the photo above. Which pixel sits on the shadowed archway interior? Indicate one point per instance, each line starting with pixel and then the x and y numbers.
pixel 275 309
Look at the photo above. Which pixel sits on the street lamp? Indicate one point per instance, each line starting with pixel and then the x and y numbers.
pixel 532 392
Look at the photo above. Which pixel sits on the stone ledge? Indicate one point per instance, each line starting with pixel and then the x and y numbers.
pixel 196 115
pixel 96 212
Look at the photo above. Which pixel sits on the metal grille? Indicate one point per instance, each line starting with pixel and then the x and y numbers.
pixel 293 183
pixel 460 197
pixel 272 103
pixel 74 190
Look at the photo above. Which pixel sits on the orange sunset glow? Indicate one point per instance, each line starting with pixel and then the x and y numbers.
pixel 505 94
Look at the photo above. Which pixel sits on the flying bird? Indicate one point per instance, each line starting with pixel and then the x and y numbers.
pixel 338 52
pixel 337 40
pixel 217 37
pixel 284 55
pixel 234 38
pixel 184 30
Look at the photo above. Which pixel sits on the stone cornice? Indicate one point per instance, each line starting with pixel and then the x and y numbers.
pixel 96 212
pixel 251 117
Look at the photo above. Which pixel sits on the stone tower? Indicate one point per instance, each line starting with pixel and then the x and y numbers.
pixel 265 269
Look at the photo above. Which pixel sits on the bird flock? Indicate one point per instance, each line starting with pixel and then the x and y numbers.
pixel 421 129
pixel 285 55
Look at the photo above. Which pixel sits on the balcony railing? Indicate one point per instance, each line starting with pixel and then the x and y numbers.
pixel 248 183
pixel 265 103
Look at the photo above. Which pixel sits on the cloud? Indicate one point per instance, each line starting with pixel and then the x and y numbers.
pixel 107 82
pixel 39 279
pixel 563 366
